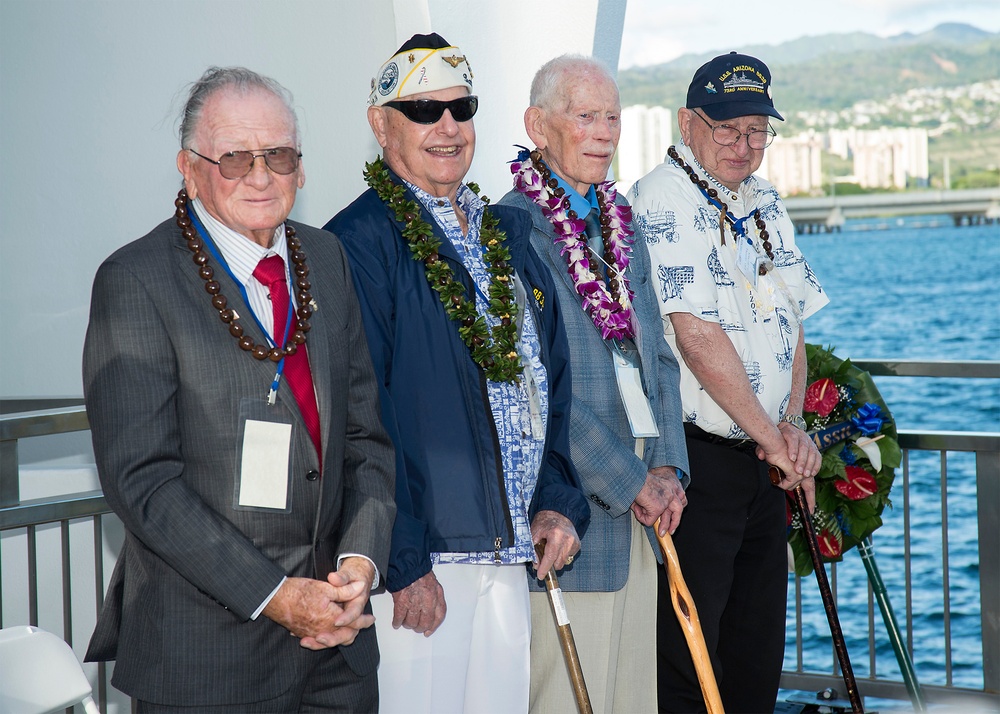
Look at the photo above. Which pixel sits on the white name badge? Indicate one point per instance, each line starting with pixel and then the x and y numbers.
pixel 264 465
pixel 629 376
pixel 748 260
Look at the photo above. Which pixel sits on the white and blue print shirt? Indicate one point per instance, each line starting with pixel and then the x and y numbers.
pixel 696 273
pixel 521 450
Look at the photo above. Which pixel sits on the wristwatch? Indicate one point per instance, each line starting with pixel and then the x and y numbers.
pixel 795 420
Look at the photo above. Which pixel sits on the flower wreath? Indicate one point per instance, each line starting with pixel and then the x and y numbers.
pixel 855 433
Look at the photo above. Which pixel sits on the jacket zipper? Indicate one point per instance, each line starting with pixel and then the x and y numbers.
pixel 484 391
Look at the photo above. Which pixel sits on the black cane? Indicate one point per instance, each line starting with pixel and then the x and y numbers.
pixel 839 644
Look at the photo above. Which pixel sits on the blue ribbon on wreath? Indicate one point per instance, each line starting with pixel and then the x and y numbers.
pixel 869 420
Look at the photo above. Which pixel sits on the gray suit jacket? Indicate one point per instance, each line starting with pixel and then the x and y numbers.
pixel 601 444
pixel 168 391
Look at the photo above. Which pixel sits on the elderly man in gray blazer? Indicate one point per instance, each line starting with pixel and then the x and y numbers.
pixel 626 437
pixel 235 420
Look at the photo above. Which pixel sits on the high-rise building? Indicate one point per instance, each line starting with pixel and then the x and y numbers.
pixel 794 164
pixel 644 142
pixel 886 157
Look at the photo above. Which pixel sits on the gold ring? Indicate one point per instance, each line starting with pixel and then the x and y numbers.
pixel 569 559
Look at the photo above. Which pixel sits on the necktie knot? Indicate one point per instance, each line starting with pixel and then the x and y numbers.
pixel 270 270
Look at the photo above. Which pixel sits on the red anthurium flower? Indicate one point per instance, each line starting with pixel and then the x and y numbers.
pixel 829 545
pixel 821 397
pixel 788 509
pixel 859 484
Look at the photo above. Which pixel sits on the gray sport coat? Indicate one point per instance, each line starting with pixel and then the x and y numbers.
pixel 168 391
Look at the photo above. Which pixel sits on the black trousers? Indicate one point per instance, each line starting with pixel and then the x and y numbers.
pixel 732 552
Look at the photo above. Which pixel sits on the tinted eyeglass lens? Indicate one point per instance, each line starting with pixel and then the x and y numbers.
pixel 430 111
pixel 237 164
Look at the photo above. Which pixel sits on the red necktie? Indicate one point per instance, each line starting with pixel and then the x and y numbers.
pixel 270 271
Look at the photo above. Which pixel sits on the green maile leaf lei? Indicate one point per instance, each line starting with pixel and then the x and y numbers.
pixel 494 350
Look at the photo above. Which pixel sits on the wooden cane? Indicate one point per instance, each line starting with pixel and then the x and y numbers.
pixel 566 640
pixel 687 615
pixel 839 643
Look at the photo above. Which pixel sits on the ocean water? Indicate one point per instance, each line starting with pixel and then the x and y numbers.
pixel 912 288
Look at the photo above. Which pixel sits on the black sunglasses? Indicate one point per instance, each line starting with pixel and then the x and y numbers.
pixel 430 111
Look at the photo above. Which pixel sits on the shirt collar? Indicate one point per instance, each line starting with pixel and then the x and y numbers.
pixel 578 203
pixel 440 206
pixel 240 253
pixel 729 193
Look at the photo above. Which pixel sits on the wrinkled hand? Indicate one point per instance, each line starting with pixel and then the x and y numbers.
pixel 561 541
pixel 352 584
pixel 799 462
pixel 309 610
pixel 661 497
pixel 420 606
pixel 801 450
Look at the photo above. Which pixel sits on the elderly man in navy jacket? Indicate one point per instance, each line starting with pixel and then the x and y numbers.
pixel 470 351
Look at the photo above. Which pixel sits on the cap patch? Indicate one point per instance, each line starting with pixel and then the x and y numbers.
pixel 387 81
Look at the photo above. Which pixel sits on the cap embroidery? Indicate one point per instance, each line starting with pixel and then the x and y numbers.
pixel 733 82
pixel 710 88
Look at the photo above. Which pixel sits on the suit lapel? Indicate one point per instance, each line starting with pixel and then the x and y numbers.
pixel 319 345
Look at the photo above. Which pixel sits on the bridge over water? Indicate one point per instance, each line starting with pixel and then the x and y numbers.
pixel 966 207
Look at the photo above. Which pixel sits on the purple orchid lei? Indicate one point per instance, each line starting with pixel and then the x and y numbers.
pixel 611 311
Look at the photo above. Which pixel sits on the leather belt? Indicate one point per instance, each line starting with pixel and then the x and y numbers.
pixel 746 446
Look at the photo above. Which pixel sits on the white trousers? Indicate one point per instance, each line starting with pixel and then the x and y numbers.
pixel 615 636
pixel 476 661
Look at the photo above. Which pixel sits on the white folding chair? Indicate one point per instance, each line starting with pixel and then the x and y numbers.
pixel 40 673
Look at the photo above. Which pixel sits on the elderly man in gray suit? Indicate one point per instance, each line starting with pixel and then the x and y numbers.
pixel 626 437
pixel 235 422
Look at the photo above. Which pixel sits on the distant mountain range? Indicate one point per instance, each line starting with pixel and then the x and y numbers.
pixel 836 70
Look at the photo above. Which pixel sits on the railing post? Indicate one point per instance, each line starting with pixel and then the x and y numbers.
pixel 988 487
pixel 10 487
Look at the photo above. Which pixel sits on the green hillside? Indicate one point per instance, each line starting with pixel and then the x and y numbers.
pixel 838 70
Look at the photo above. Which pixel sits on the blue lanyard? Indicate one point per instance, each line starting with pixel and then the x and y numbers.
pixel 739 225
pixel 217 255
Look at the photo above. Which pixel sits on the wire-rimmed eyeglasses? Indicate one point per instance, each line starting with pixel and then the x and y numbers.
pixel 725 135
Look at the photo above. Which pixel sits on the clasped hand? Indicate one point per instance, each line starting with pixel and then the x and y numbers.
pixel 799 461
pixel 325 614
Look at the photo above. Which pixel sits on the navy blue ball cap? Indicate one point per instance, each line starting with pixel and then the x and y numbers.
pixel 730 86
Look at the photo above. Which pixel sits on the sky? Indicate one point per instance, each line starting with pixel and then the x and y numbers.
pixel 658 31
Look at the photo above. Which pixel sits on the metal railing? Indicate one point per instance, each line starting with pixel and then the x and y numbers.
pixel 17 516
pixel 924 447
pixel 27 516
